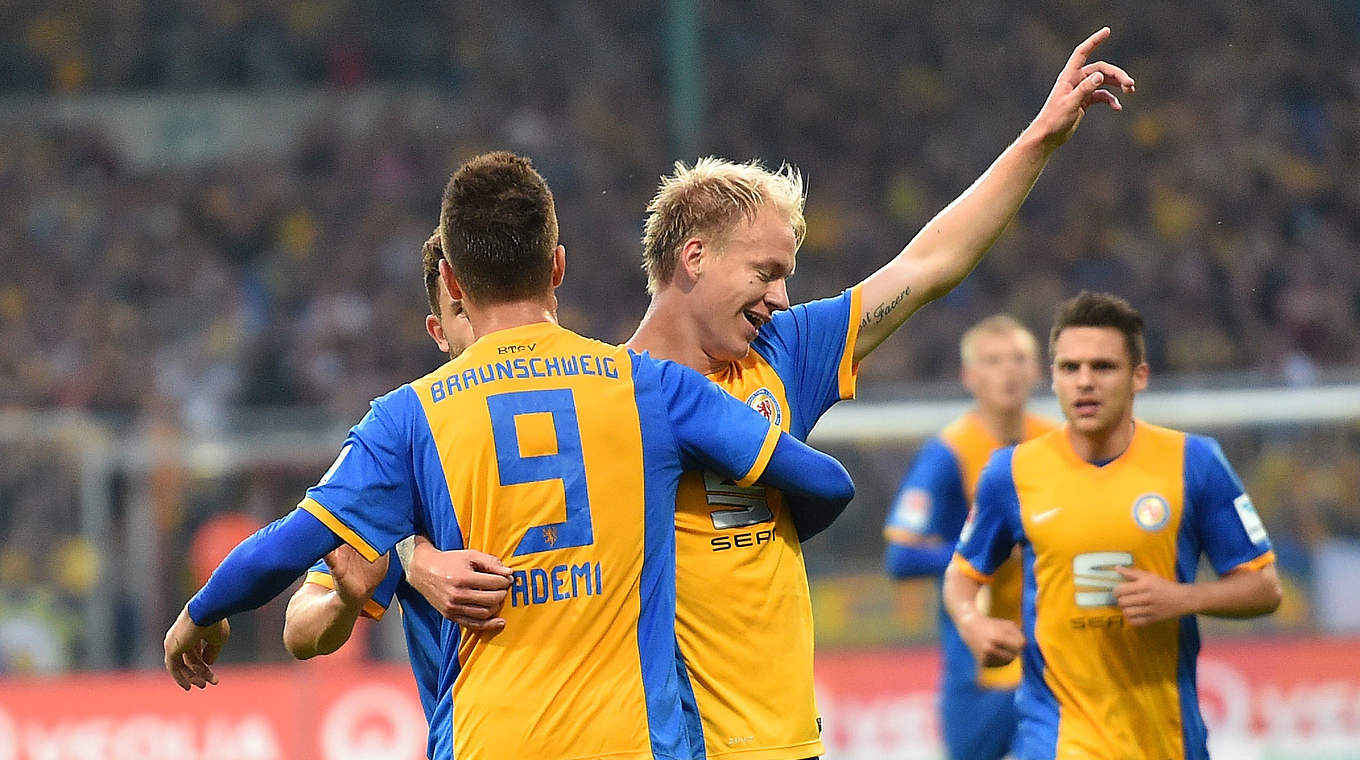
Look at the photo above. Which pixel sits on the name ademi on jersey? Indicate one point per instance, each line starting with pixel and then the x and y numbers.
pixel 561 455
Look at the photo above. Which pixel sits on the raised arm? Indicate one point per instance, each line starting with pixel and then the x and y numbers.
pixel 953 242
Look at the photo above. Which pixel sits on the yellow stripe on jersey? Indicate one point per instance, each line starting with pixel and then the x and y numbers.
pixel 849 369
pixel 1256 564
pixel 763 459
pixel 340 529
pixel 371 608
pixel 966 567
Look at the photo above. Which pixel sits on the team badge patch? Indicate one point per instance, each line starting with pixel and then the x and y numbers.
pixel 912 510
pixel 1151 511
pixel 763 401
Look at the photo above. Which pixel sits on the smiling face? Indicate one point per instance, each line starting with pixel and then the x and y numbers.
pixel 1095 380
pixel 740 280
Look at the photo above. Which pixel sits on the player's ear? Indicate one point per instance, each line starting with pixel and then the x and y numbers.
pixel 450 280
pixel 692 258
pixel 436 332
pixel 559 268
pixel 1140 377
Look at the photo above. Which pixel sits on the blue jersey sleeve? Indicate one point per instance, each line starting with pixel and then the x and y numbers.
pixel 930 501
pixel 993 525
pixel 369 495
pixel 715 431
pixel 811 347
pixel 1223 519
pixel 712 428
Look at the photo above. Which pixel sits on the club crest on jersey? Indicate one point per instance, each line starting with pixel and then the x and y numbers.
pixel 1151 511
pixel 550 535
pixel 763 401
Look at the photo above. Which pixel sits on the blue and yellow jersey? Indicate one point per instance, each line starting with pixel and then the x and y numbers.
pixel 744 612
pixel 561 455
pixel 1095 687
pixel 421 624
pixel 933 502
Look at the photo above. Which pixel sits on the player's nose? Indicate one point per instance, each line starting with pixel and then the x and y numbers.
pixel 777 295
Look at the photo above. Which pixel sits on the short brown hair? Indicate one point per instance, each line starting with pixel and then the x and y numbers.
pixel 498 228
pixel 430 254
pixel 1088 309
pixel 710 198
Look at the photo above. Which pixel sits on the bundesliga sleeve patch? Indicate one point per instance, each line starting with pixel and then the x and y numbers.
pixel 912 510
pixel 1251 522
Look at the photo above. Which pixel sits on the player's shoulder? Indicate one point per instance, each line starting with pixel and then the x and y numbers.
pixel 1047 441
pixel 966 432
pixel 396 403
pixel 821 313
pixel 1037 425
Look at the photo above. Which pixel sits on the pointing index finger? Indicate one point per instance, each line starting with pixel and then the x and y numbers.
pixel 1087 47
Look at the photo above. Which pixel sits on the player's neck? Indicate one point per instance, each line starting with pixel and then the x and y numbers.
pixel 1103 446
pixel 666 333
pixel 1005 425
pixel 489 318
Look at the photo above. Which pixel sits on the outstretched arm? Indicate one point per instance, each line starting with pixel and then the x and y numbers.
pixel 952 243
pixel 257 570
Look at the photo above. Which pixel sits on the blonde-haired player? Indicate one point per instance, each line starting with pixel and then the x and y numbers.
pixel 718 249
pixel 1000 359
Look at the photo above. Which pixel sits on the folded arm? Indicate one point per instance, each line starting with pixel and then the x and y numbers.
pixel 320 618
pixel 1147 598
pixel 816 486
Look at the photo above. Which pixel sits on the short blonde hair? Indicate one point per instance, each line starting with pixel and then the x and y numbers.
pixel 998 324
pixel 711 198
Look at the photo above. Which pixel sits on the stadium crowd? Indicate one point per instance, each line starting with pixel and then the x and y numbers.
pixel 1222 202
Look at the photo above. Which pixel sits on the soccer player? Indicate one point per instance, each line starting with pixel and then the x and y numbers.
pixel 555 452
pixel 1000 361
pixel 719 245
pixel 322 613
pixel 1111 515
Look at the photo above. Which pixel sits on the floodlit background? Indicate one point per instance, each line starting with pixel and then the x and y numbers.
pixel 210 222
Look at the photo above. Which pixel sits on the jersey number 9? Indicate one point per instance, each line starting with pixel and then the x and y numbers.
pixel 567 464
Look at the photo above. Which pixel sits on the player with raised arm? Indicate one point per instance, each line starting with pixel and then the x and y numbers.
pixel 557 453
pixel 1111 515
pixel 322 613
pixel 1000 367
pixel 718 247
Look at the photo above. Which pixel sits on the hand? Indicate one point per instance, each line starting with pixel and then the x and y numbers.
pixel 191 649
pixel 1077 88
pixel 993 641
pixel 465 586
pixel 1147 598
pixel 355 578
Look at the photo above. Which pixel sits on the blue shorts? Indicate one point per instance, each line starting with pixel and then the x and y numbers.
pixel 977 723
